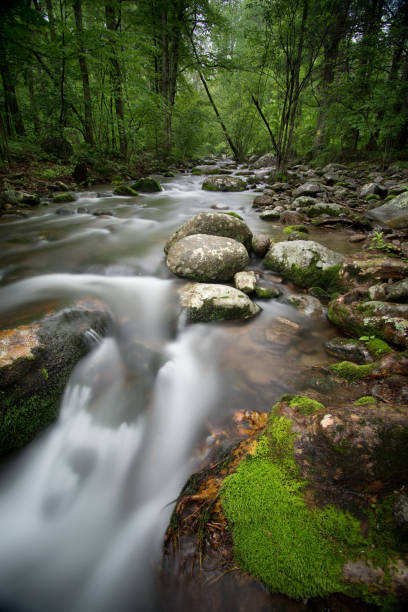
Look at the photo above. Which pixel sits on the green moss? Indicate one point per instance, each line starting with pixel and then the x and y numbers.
pixel 148 185
pixel 365 400
pixel 267 293
pixel 45 373
pixel 378 348
pixel 124 190
pixel 20 423
pixel 196 171
pixel 231 213
pixel 295 228
pixel 305 405
pixel 350 371
pixel 319 293
pixel 372 196
pixel 62 198
pixel 389 197
pixel 291 548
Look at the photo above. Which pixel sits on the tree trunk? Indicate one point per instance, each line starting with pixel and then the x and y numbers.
pixel 116 76
pixel 14 122
pixel 84 74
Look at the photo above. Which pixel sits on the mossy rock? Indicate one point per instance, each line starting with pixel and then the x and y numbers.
pixel 292 546
pixel 295 228
pixel 36 363
pixel 124 190
pixel 64 198
pixel 306 263
pixel 147 185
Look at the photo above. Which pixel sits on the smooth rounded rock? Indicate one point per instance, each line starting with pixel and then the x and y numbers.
pixel 223 183
pixel 215 224
pixel 204 258
pixel 205 302
pixel 305 262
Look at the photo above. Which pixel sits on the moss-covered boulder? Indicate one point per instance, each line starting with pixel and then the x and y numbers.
pixel 361 269
pixel 64 198
pixel 207 258
pixel 306 263
pixel 359 316
pixel 326 208
pixel 35 363
pixel 223 183
pixel 124 190
pixel 215 224
pixel 245 281
pixel 147 185
pixel 360 351
pixel 206 302
pixel 332 456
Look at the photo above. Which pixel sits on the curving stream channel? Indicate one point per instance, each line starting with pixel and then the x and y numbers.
pixel 84 508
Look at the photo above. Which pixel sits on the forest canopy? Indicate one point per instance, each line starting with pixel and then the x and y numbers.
pixel 178 79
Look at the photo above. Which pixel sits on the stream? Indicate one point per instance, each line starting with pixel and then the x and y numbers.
pixel 84 508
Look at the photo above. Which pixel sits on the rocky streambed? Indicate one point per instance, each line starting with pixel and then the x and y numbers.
pixel 299 500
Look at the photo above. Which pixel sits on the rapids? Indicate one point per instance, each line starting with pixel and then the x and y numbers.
pixel 84 508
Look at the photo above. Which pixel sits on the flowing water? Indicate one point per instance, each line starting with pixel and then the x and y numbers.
pixel 84 508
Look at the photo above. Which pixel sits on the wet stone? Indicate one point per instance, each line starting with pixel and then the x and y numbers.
pixel 282 331
pixel 348 350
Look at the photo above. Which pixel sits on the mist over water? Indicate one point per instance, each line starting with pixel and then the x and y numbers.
pixel 84 509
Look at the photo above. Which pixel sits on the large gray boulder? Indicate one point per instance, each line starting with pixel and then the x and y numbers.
pixel 326 208
pixel 393 213
pixel 223 183
pixel 305 262
pixel 308 189
pixel 205 302
pixel 266 161
pixel 207 258
pixel 215 224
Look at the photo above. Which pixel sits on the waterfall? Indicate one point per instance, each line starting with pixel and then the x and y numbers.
pixel 84 508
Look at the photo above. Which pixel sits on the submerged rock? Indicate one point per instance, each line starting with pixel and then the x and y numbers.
pixel 305 262
pixel 35 363
pixel 223 183
pixel 205 302
pixel 215 224
pixel 203 257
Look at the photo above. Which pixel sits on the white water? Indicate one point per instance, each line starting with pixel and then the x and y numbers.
pixel 84 510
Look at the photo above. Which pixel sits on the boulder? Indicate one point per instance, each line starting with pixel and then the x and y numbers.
pixel 215 224
pixel 303 202
pixel 245 281
pixel 205 302
pixel 391 214
pixel 326 208
pixel 266 161
pixel 308 189
pixel 271 214
pixel 349 349
pixel 260 244
pixel 262 200
pixel 306 263
pixel 63 198
pixel 373 189
pixel 203 257
pixel 398 291
pixel 356 315
pixel 307 304
pixel 35 363
pixel 147 185
pixel 223 183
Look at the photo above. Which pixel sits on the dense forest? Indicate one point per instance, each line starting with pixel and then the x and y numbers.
pixel 177 79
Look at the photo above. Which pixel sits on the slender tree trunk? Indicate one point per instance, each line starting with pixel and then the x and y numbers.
pixel 14 122
pixel 211 100
pixel 51 19
pixel 33 98
pixel 88 123
pixel 116 80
